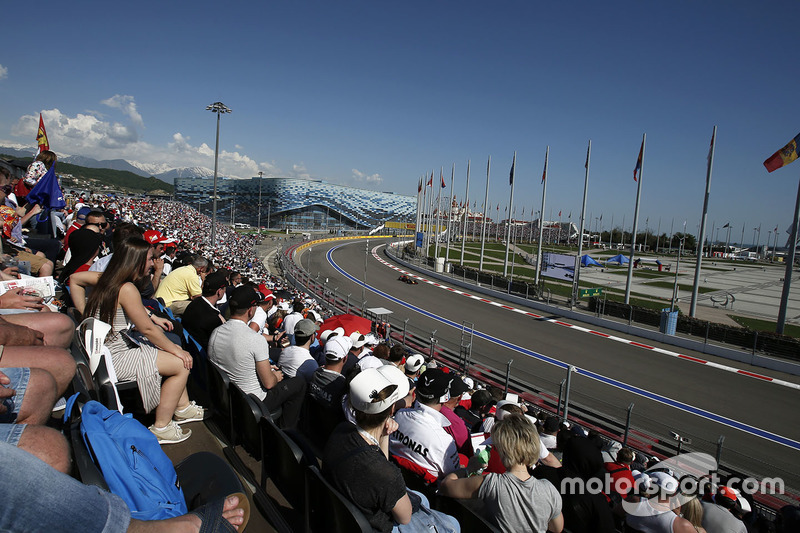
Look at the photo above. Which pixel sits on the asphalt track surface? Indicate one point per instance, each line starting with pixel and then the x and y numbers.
pixel 764 406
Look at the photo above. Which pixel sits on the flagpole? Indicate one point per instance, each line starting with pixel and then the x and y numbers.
pixel 430 214
pixel 438 215
pixel 635 225
pixel 450 214
pixel 787 278
pixel 466 217
pixel 485 205
pixel 576 279
pixel 703 219
pixel 611 232
pixel 541 220
pixel 510 214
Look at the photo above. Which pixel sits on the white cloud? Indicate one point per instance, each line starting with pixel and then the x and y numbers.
pixel 126 104
pixel 3 72
pixel 361 177
pixel 93 134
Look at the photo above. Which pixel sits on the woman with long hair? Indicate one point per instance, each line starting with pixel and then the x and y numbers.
pixel 116 301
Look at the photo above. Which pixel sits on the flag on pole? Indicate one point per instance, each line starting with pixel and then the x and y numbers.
pixel 710 149
pixel 419 186
pixel 638 166
pixel 441 177
pixel 784 156
pixel 570 215
pixel 559 213
pixel 511 174
pixel 727 225
pixel 430 181
pixel 588 150
pixel 41 137
pixel 544 172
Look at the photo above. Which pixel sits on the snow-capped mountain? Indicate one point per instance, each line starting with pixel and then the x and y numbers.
pixel 168 174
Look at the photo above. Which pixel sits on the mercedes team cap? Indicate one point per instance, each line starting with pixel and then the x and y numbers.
pixel 457 387
pixel 305 328
pixel 331 333
pixel 433 384
pixel 414 363
pixel 375 390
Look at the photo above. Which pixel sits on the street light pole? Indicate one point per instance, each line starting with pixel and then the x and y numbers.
pixel 260 177
pixel 220 109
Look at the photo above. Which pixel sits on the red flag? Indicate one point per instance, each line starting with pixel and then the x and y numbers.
pixel 419 186
pixel 41 136
pixel 430 181
pixel 544 172
pixel 638 166
pixel 559 213
pixel 441 177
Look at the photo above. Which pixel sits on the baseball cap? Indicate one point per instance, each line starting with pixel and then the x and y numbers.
pixel 414 363
pixel 215 281
pixel 314 316
pixel 358 339
pixel 337 347
pixel 667 482
pixel 266 292
pixel 469 382
pixel 371 339
pixel 368 386
pixel 726 492
pixel 243 297
pixel 330 333
pixel 154 236
pixel 305 328
pixel 457 386
pixel 433 384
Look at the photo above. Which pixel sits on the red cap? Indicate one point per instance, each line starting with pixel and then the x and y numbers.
pixel 266 292
pixel 726 492
pixel 154 237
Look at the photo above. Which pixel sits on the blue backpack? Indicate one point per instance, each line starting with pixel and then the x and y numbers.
pixel 132 462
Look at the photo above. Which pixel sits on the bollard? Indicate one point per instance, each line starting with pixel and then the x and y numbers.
pixel 508 374
pixel 627 425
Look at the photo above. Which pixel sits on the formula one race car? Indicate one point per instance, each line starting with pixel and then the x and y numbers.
pixel 407 279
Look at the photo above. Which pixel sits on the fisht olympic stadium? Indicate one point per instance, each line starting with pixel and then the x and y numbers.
pixel 295 203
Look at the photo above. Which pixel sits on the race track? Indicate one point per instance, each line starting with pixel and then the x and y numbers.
pixel 765 407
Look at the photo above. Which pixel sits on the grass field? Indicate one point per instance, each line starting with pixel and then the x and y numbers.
pixel 681 286
pixel 765 325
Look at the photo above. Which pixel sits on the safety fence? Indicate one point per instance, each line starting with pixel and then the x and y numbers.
pixel 660 437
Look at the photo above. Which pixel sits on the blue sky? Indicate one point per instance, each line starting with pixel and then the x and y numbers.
pixel 375 94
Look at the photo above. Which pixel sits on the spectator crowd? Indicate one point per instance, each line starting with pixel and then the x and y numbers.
pixel 396 432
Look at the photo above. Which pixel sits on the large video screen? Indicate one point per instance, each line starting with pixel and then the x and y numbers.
pixel 559 266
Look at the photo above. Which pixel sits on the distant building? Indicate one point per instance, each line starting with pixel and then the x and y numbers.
pixel 296 203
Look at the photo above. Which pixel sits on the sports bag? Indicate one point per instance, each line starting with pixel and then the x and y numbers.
pixel 132 462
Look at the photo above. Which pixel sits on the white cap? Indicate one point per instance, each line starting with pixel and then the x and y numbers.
pixel 414 363
pixel 337 347
pixel 358 339
pixel 371 339
pixel 368 384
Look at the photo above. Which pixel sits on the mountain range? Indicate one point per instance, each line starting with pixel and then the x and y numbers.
pixel 159 171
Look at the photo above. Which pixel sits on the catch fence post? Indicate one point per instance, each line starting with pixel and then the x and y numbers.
pixel 560 396
pixel 405 327
pixel 570 370
pixel 508 374
pixel 719 448
pixel 627 425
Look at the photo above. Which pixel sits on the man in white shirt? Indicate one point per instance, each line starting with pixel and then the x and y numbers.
pixel 420 436
pixel 293 318
pixel 243 355
pixel 296 360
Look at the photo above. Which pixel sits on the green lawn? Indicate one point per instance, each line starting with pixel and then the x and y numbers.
pixel 681 286
pixel 765 325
